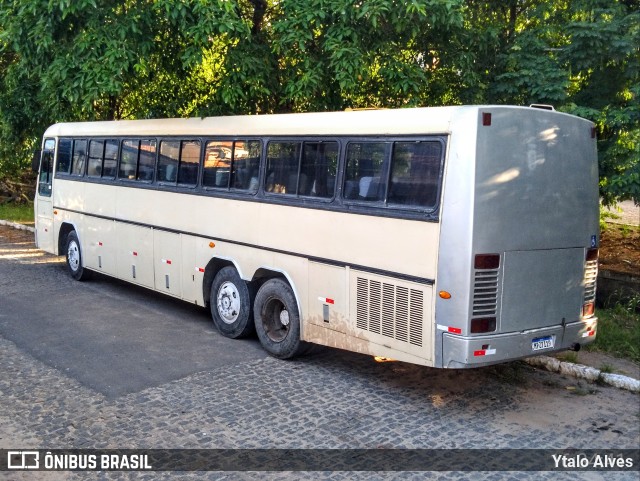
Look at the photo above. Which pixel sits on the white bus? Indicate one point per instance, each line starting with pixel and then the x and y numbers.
pixel 450 237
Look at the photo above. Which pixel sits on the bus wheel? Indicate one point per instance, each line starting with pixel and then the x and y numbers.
pixel 230 302
pixel 74 258
pixel 277 320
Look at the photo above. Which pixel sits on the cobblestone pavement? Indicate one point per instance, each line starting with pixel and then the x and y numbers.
pixel 333 399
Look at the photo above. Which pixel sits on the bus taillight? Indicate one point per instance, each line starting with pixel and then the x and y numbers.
pixel 588 309
pixel 487 261
pixel 486 324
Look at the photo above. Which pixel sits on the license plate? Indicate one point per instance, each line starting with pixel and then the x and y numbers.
pixel 540 343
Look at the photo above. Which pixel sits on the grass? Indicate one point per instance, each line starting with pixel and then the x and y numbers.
pixel 17 212
pixel 619 330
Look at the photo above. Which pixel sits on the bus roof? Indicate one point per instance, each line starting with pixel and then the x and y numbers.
pixel 424 120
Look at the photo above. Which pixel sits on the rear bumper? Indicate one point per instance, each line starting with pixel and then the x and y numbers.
pixel 464 352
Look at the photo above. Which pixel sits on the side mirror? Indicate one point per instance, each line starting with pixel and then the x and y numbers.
pixel 35 160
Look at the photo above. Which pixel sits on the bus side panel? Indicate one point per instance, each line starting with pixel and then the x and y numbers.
pixel 135 254
pixel 167 255
pixel 99 244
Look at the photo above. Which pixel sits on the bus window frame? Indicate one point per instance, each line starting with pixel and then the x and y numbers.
pixel 297 199
pixel 384 205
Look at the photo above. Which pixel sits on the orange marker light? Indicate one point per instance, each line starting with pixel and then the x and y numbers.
pixel 212 245
pixel 444 295
pixel 55 212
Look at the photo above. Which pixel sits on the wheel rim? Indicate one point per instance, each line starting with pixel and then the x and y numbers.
pixel 276 319
pixel 73 256
pixel 228 302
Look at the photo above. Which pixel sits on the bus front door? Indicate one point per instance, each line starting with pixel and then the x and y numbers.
pixel 43 203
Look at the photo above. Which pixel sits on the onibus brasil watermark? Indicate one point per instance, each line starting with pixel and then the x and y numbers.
pixel 320 460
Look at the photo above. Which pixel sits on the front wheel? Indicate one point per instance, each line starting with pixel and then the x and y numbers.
pixel 277 320
pixel 230 301
pixel 74 258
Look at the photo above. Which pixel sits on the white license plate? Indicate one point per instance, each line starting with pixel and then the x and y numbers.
pixel 540 343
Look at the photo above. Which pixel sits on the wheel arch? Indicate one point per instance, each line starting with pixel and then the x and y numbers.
pixel 263 274
pixel 214 266
pixel 65 228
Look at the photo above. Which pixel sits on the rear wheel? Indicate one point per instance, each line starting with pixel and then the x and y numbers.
pixel 74 258
pixel 277 319
pixel 231 300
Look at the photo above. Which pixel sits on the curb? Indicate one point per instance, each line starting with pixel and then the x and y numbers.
pixel 584 372
pixel 15 225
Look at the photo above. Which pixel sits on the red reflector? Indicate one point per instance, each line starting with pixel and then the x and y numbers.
pixel 487 324
pixel 330 301
pixel 168 261
pixel 479 353
pixel 592 254
pixel 100 244
pixel 135 253
pixel 455 330
pixel 487 261
pixel 486 119
pixel 588 309
pixel 200 269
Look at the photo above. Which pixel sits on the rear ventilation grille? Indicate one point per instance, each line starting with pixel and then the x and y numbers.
pixel 590 277
pixel 389 310
pixel 485 293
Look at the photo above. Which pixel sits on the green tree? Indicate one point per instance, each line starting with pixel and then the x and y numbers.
pixel 109 59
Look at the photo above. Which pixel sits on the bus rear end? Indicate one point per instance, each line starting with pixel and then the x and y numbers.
pixel 518 258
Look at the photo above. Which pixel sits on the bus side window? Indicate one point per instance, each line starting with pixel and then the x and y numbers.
pixel 79 157
pixel 245 165
pixel 110 164
pixel 65 146
pixel 217 163
pixel 147 161
pixel 415 174
pixel 96 151
pixel 365 179
pixel 318 169
pixel 189 162
pixel 129 159
pixel 282 168
pixel 168 162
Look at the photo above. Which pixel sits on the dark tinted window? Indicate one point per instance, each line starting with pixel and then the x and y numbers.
pixel 232 164
pixel 129 159
pixel 179 161
pixel 147 161
pixel 318 168
pixel 110 164
pixel 415 174
pixel 365 178
pixel 189 161
pixel 137 160
pixel 79 157
pixel 65 147
pixel 283 159
pixel 96 150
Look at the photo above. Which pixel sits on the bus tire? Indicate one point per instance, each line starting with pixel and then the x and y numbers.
pixel 231 304
pixel 73 254
pixel 277 319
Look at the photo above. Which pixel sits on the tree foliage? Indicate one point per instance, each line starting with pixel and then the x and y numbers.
pixel 63 60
